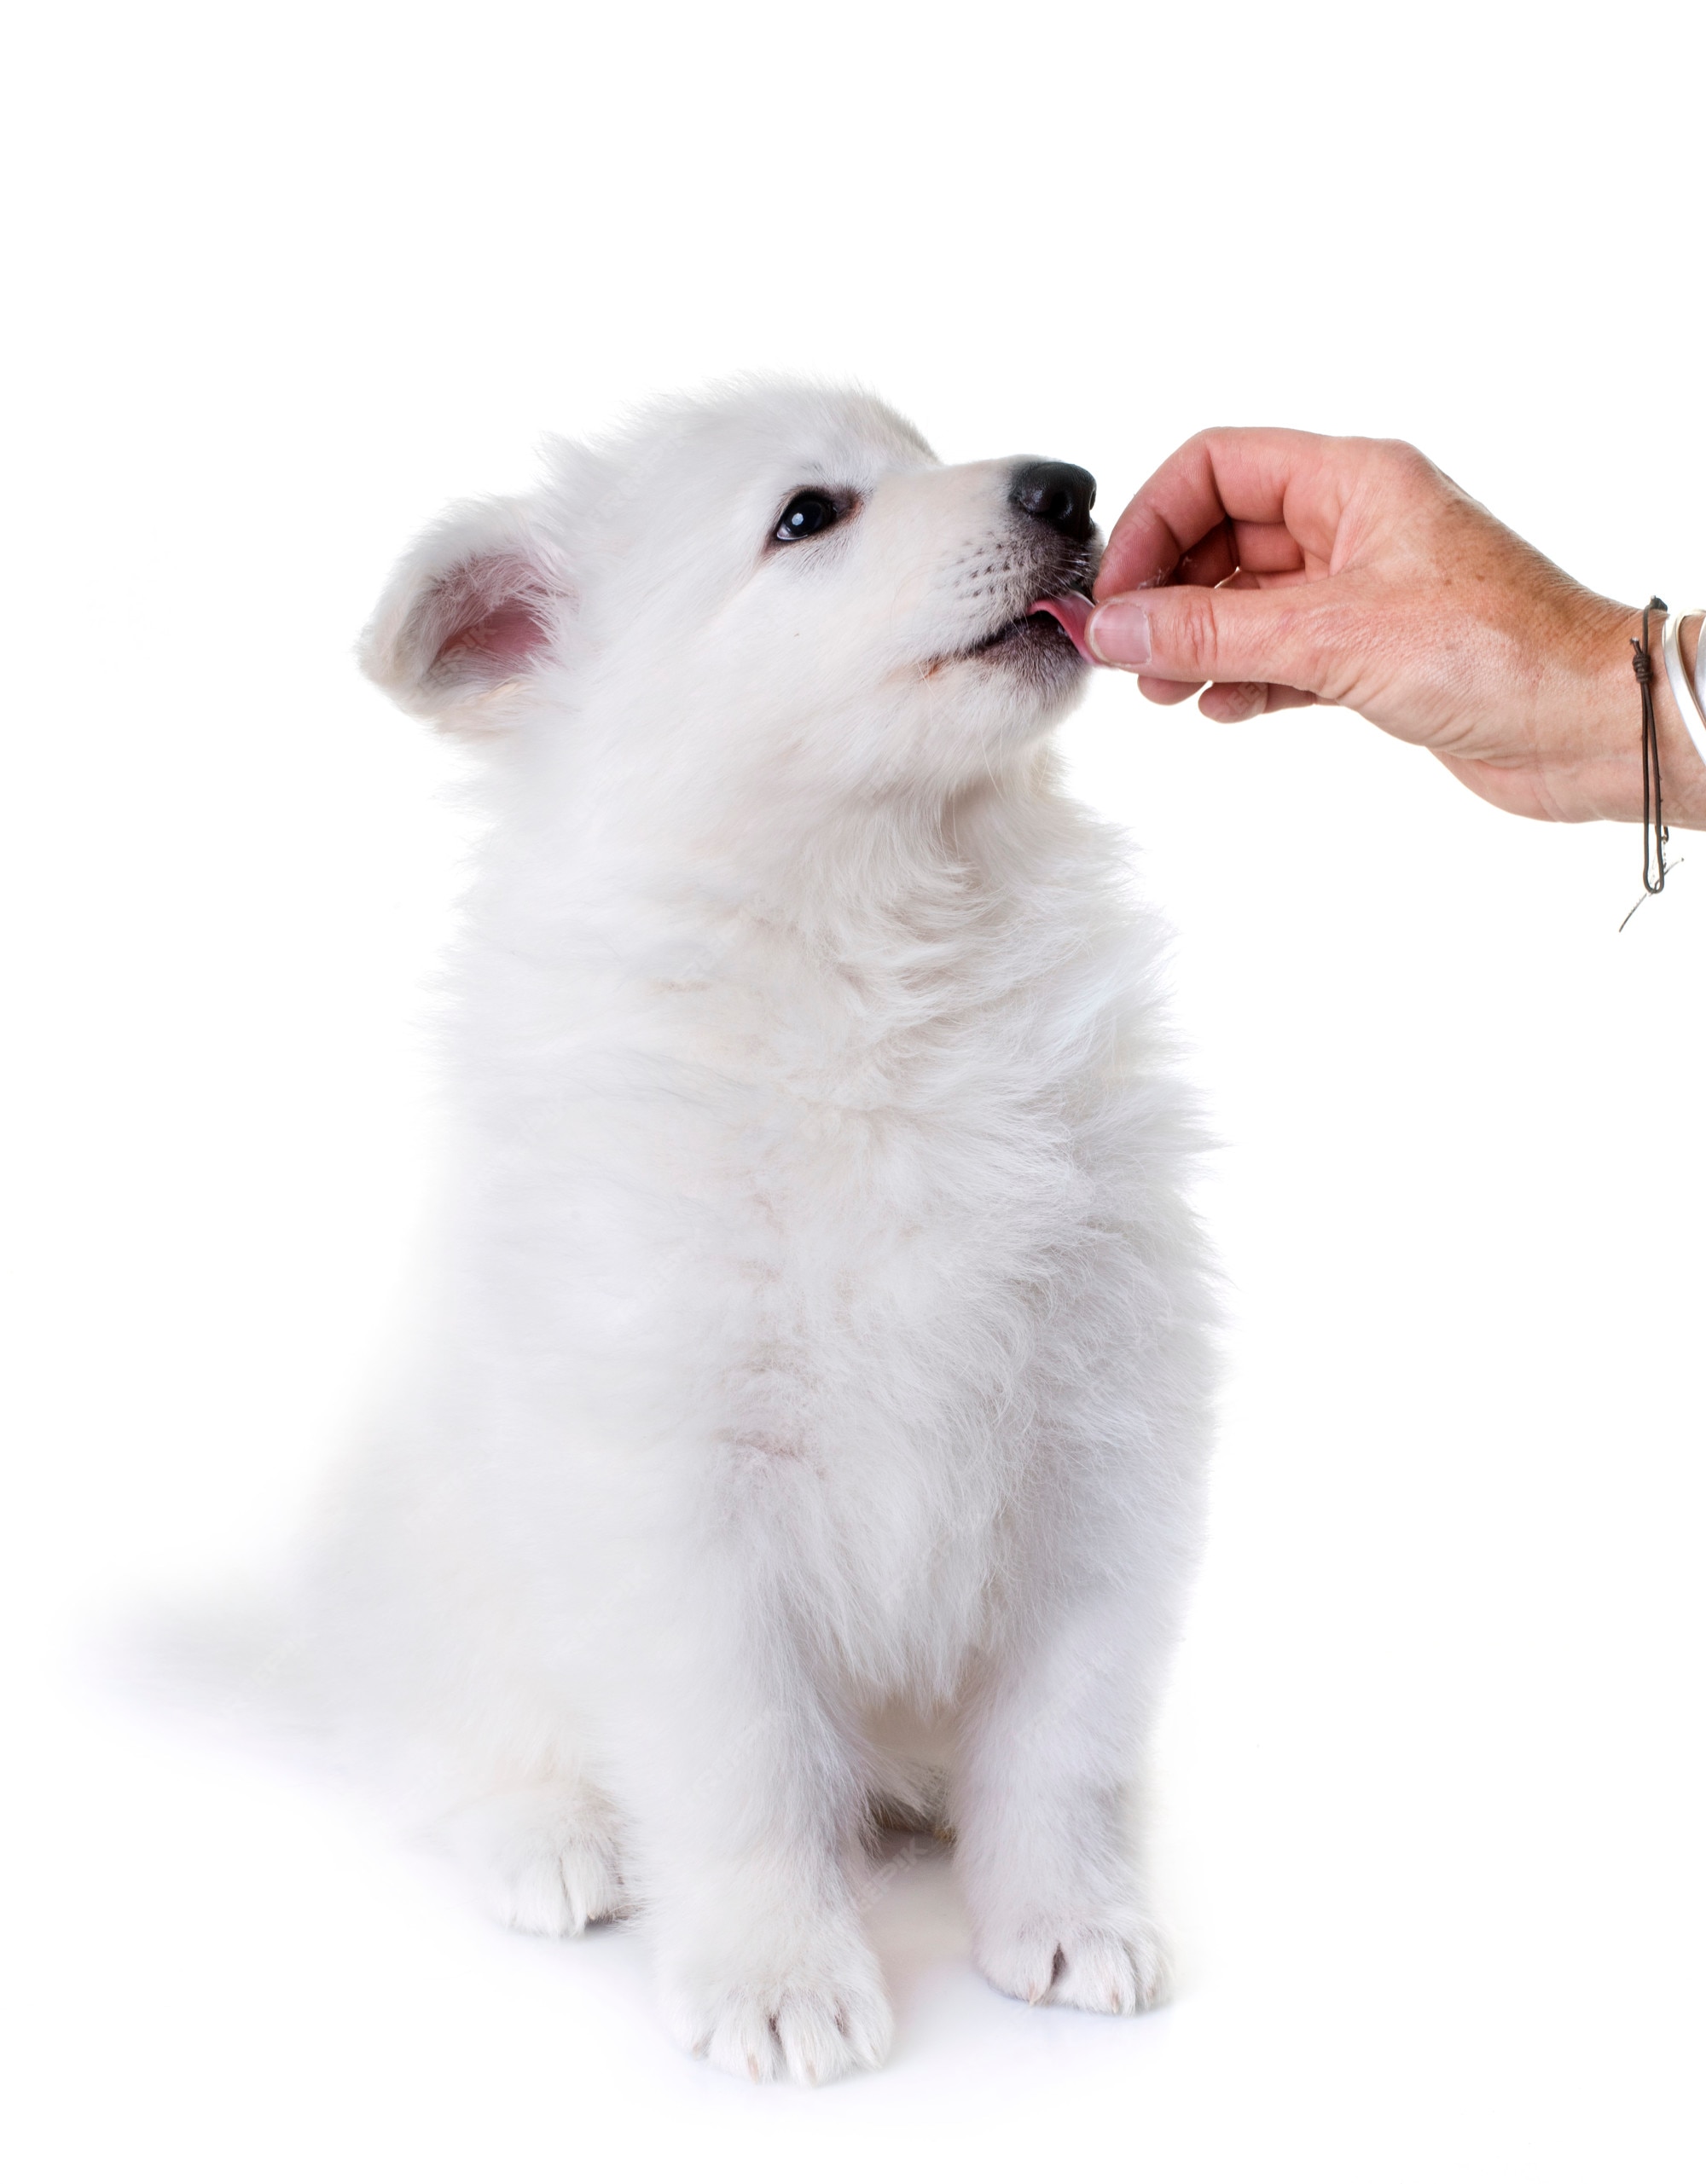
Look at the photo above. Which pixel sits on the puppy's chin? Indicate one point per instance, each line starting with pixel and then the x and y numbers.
pixel 1038 650
pixel 1033 650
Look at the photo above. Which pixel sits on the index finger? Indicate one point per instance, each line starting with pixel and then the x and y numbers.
pixel 1257 475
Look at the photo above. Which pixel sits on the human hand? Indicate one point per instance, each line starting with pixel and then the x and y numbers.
pixel 1285 568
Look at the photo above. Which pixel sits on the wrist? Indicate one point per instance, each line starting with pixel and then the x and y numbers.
pixel 1608 784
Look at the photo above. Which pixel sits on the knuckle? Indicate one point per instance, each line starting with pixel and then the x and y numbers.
pixel 1193 639
pixel 1405 463
pixel 1243 701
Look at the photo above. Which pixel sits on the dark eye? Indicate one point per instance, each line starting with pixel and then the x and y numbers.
pixel 804 516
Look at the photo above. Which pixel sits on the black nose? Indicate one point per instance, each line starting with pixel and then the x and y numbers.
pixel 1057 494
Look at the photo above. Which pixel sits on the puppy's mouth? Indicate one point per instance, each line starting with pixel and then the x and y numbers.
pixel 1072 610
pixel 1054 625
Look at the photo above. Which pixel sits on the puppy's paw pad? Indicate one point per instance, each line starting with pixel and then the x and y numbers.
pixel 542 1861
pixel 1111 1964
pixel 809 2027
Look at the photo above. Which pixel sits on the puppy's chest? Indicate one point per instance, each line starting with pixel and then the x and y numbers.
pixel 844 1222
pixel 839 1170
pixel 850 1093
pixel 897 1167
pixel 900 1218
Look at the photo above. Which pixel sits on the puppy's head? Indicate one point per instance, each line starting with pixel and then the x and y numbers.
pixel 782 582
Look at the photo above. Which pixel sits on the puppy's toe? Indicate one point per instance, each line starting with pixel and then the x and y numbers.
pixel 807 2025
pixel 1111 1962
pixel 824 2034
pixel 544 1860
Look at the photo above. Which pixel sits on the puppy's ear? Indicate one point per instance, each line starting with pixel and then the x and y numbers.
pixel 469 612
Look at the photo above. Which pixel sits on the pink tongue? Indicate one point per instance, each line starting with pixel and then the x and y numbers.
pixel 1072 612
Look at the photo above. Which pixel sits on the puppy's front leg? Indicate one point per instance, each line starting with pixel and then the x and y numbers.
pixel 1041 1814
pixel 747 1807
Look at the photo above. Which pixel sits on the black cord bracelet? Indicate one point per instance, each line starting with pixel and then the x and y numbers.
pixel 1654 833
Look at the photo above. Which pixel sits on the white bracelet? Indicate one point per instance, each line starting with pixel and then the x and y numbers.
pixel 1699 666
pixel 1690 703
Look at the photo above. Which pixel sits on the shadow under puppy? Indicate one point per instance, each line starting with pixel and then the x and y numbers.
pixel 809 1414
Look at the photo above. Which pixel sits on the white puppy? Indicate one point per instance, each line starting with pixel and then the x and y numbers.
pixel 811 1422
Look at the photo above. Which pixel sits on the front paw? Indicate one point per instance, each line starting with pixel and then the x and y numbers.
pixel 810 2019
pixel 1104 1960
pixel 544 1860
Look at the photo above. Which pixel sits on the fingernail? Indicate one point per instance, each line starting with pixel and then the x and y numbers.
pixel 1118 634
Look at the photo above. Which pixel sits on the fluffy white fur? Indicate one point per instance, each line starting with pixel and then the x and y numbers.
pixel 809 1420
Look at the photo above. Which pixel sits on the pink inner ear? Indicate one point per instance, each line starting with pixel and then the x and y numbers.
pixel 493 618
pixel 506 637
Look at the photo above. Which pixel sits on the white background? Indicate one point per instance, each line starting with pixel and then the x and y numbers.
pixel 290 278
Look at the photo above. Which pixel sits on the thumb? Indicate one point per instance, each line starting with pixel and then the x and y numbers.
pixel 1187 634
